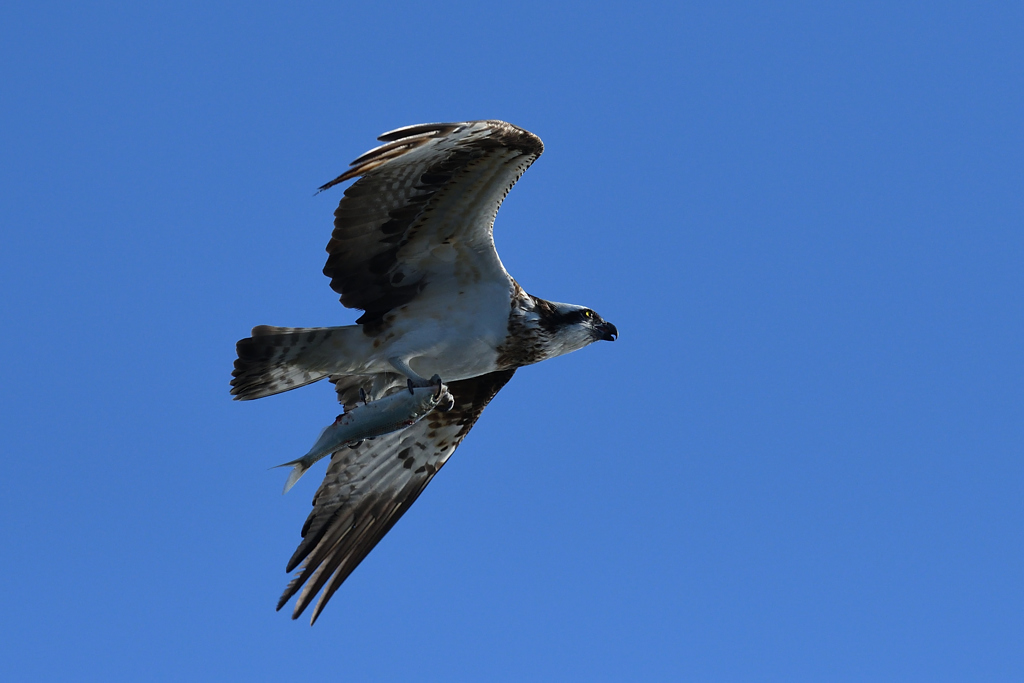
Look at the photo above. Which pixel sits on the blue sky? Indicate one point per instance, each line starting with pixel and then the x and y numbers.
pixel 800 461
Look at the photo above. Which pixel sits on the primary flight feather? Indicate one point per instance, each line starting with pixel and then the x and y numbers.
pixel 413 249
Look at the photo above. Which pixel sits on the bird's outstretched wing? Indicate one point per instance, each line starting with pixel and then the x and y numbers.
pixel 423 209
pixel 368 488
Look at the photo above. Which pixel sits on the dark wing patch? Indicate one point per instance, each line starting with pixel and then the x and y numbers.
pixel 368 488
pixel 428 185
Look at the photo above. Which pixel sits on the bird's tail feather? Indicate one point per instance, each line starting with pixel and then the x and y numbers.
pixel 276 359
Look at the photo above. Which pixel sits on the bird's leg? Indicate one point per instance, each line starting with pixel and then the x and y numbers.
pixel 435 382
pixel 414 379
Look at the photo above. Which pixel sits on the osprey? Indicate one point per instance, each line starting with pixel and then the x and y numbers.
pixel 412 248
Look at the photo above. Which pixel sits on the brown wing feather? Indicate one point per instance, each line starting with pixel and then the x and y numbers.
pixel 368 488
pixel 427 184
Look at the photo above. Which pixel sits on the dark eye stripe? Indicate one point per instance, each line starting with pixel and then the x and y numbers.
pixel 559 320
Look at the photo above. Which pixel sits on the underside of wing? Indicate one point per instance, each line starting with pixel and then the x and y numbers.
pixel 427 195
pixel 369 487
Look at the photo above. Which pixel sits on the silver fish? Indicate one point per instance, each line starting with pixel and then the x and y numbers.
pixel 383 416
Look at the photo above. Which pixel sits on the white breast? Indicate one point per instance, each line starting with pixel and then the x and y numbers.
pixel 449 331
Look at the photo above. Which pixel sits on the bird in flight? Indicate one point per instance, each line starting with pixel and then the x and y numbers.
pixel 412 248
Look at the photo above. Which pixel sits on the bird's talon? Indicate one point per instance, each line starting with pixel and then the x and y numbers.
pixel 447 405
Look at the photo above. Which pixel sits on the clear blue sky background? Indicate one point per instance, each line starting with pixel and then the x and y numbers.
pixel 800 462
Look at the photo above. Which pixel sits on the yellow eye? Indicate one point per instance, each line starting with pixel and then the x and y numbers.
pixel 587 313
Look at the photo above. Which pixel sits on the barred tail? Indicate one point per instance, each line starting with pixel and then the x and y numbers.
pixel 276 359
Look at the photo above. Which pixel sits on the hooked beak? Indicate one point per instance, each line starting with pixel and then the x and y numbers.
pixel 607 331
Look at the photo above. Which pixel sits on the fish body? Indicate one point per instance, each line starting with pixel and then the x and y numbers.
pixel 383 416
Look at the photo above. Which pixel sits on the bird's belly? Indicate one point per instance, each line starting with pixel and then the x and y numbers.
pixel 455 341
pixel 455 362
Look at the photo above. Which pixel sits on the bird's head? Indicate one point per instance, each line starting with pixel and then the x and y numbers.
pixel 570 327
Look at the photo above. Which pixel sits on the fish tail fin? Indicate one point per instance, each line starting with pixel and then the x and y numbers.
pixel 299 468
pixel 276 359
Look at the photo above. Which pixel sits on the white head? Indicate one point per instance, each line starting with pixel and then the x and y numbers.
pixel 568 327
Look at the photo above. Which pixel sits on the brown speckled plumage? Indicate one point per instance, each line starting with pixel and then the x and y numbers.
pixel 412 248
pixel 361 498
